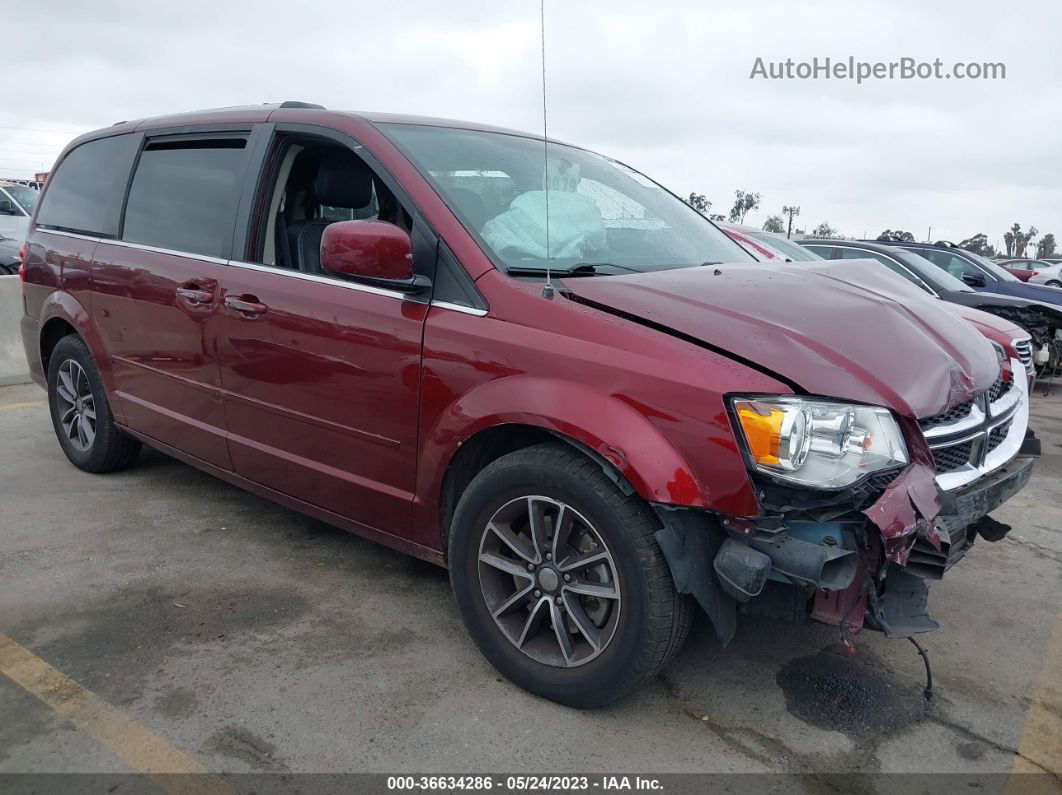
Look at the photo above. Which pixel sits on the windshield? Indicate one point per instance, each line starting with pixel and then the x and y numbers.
pixel 940 280
pixel 601 212
pixel 998 271
pixel 785 247
pixel 26 197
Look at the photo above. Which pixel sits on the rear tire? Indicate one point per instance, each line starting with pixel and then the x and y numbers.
pixel 81 415
pixel 1054 283
pixel 620 618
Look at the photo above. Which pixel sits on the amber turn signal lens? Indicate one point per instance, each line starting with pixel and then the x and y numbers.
pixel 763 431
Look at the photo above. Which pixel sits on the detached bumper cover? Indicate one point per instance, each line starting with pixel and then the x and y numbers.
pixel 964 516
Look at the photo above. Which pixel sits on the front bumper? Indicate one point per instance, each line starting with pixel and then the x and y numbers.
pixel 965 506
pixel 965 514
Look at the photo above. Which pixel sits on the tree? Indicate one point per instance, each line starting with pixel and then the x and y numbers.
pixel 1046 246
pixel 890 234
pixel 824 230
pixel 1017 241
pixel 743 203
pixel 1027 238
pixel 699 202
pixel 774 224
pixel 717 217
pixel 978 244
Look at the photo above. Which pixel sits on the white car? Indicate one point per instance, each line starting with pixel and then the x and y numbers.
pixel 1045 271
pixel 16 206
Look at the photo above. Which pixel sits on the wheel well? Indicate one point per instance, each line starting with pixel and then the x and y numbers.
pixel 491 444
pixel 53 331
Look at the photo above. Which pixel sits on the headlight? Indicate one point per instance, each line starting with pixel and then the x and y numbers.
pixel 1001 352
pixel 819 443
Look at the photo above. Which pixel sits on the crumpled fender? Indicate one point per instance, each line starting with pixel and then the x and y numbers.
pixel 911 503
pixel 610 427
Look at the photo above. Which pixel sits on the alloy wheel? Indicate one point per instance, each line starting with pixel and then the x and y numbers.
pixel 549 581
pixel 76 405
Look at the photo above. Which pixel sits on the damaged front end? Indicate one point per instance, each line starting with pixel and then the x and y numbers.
pixel 862 555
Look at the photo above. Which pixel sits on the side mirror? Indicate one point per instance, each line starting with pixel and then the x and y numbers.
pixel 373 250
pixel 974 279
pixel 7 208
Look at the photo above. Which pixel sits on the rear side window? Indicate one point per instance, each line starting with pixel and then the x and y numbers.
pixel 887 261
pixel 84 194
pixel 184 195
pixel 826 252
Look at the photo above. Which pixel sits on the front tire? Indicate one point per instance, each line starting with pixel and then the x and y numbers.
pixel 81 415
pixel 559 578
pixel 1054 283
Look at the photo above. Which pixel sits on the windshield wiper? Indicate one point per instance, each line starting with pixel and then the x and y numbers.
pixel 579 269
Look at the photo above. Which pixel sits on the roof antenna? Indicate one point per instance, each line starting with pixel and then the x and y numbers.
pixel 547 291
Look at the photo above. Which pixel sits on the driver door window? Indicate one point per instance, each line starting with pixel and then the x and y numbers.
pixel 954 265
pixel 321 372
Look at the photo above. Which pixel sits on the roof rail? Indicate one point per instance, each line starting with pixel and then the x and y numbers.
pixel 293 103
pixel 947 243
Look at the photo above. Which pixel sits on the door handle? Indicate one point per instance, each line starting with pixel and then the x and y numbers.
pixel 246 305
pixel 195 295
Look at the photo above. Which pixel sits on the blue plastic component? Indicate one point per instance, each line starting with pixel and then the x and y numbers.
pixel 813 533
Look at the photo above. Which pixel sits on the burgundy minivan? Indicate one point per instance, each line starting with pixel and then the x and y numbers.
pixel 351 314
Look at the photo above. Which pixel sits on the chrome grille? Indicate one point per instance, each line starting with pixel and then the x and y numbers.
pixel 948 459
pixel 1000 387
pixel 963 438
pixel 997 436
pixel 1024 351
pixel 954 414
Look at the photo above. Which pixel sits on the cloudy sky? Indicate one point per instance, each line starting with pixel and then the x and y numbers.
pixel 663 85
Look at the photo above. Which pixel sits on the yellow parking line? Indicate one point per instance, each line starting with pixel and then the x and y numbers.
pixel 26 405
pixel 1040 746
pixel 138 747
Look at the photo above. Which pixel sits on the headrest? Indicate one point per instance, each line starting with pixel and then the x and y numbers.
pixel 343 180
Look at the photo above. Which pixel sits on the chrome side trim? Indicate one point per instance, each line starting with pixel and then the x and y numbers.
pixel 362 288
pixel 467 310
pixel 170 251
pixel 73 235
pixel 310 277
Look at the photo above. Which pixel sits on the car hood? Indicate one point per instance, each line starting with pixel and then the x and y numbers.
pixel 853 331
pixel 980 299
pixel 988 324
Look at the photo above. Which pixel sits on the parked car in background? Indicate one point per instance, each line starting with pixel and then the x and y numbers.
pixel 984 275
pixel 767 245
pixel 1021 273
pixel 1040 271
pixel 979 272
pixel 591 432
pixel 9 255
pixel 17 203
pixel 971 304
